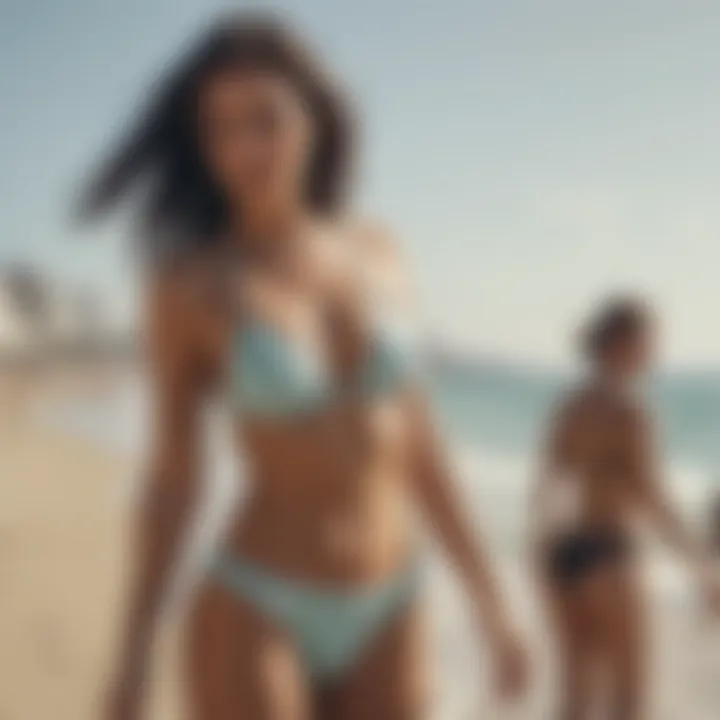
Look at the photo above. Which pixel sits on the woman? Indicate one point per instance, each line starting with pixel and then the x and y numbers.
pixel 599 476
pixel 265 295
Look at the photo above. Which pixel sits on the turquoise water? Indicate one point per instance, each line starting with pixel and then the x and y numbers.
pixel 489 412
pixel 504 409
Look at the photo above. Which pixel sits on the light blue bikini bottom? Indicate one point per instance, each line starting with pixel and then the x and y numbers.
pixel 331 627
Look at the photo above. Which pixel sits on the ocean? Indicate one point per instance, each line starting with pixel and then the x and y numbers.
pixel 499 409
pixel 493 417
pixel 504 410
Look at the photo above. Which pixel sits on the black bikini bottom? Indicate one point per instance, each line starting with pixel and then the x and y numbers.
pixel 573 556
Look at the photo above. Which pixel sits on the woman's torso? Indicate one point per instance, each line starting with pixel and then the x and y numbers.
pixel 594 458
pixel 326 473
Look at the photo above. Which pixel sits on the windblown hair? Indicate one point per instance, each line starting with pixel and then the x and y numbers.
pixel 159 167
pixel 618 319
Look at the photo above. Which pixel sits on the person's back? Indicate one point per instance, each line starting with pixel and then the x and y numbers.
pixel 593 446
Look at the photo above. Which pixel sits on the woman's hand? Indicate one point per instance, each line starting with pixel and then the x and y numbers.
pixel 124 695
pixel 123 704
pixel 510 665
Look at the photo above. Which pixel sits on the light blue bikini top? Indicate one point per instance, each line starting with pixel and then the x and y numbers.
pixel 272 376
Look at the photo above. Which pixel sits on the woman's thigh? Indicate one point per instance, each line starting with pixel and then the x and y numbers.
pixel 578 646
pixel 391 679
pixel 627 648
pixel 600 628
pixel 241 665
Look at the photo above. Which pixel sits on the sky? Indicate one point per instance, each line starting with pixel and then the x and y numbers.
pixel 532 156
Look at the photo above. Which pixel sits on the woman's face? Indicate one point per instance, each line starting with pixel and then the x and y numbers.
pixel 256 135
pixel 635 355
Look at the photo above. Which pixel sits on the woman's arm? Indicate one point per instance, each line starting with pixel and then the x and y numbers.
pixel 437 496
pixel 543 512
pixel 654 500
pixel 658 507
pixel 171 483
pixel 433 486
pixel 434 489
pixel 537 514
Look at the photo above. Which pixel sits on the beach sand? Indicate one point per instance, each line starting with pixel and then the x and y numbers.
pixel 63 561
pixel 63 547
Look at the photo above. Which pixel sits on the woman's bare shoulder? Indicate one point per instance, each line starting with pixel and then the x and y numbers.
pixel 382 254
pixel 185 303
pixel 589 404
pixel 571 403
pixel 190 286
pixel 375 239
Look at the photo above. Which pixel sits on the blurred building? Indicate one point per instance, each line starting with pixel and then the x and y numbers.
pixel 43 319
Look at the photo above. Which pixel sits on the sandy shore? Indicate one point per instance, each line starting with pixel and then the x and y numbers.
pixel 62 564
pixel 62 568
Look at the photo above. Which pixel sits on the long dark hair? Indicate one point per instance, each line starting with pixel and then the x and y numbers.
pixel 160 159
